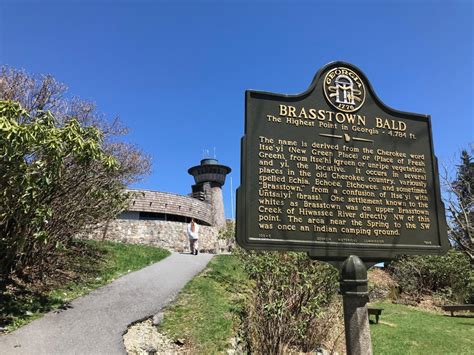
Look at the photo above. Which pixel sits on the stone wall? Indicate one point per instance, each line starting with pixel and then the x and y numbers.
pixel 163 234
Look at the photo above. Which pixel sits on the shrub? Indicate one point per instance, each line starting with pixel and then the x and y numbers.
pixel 55 179
pixel 227 234
pixel 288 306
pixel 450 276
pixel 54 173
pixel 381 285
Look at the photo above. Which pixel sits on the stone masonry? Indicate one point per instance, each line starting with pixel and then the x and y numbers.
pixel 163 234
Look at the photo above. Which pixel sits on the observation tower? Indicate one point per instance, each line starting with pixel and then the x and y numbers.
pixel 209 177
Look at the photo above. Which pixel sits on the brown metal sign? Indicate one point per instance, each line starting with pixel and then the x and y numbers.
pixel 335 172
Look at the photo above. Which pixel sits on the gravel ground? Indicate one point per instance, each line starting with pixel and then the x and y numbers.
pixel 143 339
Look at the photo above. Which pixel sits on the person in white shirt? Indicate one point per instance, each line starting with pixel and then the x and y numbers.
pixel 193 235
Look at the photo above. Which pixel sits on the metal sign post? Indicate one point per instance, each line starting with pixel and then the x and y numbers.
pixel 355 295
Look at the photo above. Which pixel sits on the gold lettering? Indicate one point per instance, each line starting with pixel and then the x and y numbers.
pixel 390 124
pixel 303 113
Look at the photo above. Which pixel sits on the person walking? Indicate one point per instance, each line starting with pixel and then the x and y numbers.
pixel 193 235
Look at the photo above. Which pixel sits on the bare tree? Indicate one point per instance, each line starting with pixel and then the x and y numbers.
pixel 37 93
pixel 458 183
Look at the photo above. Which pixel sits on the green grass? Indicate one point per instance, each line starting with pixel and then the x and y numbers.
pixel 407 330
pixel 99 264
pixel 207 312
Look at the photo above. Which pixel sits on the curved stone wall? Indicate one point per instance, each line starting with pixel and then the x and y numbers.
pixel 131 226
pixel 174 204
pixel 163 234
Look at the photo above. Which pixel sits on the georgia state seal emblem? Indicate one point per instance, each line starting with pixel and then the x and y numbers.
pixel 344 89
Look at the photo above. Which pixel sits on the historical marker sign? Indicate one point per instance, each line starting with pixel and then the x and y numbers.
pixel 335 172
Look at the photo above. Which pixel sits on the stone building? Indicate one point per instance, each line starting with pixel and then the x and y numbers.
pixel 160 218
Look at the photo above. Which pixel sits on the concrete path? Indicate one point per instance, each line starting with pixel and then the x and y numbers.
pixel 95 323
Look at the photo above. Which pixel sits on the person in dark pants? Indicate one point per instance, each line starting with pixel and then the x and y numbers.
pixel 193 235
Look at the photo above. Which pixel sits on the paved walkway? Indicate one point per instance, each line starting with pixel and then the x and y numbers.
pixel 95 323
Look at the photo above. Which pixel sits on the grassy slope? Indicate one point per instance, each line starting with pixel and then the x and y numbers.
pixel 206 316
pixel 406 330
pixel 207 311
pixel 120 259
pixel 110 260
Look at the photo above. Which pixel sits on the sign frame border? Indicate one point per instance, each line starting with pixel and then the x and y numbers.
pixel 335 251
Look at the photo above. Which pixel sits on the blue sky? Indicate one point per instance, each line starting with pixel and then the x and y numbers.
pixel 176 71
